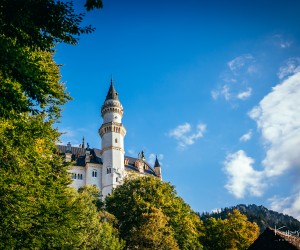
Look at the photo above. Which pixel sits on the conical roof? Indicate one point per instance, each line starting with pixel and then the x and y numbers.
pixel 112 93
pixel 156 164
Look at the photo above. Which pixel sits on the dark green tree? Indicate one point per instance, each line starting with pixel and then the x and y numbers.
pixel 134 202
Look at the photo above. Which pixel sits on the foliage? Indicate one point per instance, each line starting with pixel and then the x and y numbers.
pixel 153 232
pixel 137 202
pixel 235 232
pixel 37 208
pixel 28 74
pixel 43 23
pixel 259 214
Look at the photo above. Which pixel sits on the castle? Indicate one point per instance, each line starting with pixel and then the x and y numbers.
pixel 107 168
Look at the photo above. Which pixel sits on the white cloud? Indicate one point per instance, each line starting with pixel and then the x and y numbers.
pixel 185 136
pixel 245 94
pixel 240 62
pixel 277 117
pixel 247 136
pixel 289 67
pixel 152 157
pixel 287 205
pixel 278 120
pixel 243 178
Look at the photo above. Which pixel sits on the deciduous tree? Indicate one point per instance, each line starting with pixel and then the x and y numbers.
pixel 234 232
pixel 134 201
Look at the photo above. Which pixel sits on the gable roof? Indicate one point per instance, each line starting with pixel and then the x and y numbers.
pixel 268 240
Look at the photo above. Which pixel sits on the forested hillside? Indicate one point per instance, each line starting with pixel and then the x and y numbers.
pixel 259 214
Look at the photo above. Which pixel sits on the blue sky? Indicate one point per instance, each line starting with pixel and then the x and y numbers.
pixel 212 88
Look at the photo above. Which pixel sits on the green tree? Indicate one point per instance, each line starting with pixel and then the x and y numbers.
pixel 37 209
pixel 132 203
pixel 234 232
pixel 153 232
pixel 28 74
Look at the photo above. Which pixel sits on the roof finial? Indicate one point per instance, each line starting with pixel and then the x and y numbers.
pixel 82 142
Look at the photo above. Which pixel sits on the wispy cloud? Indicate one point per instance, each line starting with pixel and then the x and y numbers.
pixel 242 178
pixel 185 136
pixel 286 205
pixel 244 61
pixel 224 92
pixel 244 94
pixel 281 41
pixel 247 136
pixel 234 84
pixel 289 67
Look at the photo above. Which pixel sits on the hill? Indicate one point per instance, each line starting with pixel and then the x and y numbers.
pixel 259 214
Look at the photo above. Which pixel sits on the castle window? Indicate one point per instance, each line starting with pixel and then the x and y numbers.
pixel 74 176
pixel 116 140
pixel 117 179
pixel 94 173
pixel 108 171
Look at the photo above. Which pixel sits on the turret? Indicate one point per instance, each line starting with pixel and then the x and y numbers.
pixel 157 168
pixel 112 133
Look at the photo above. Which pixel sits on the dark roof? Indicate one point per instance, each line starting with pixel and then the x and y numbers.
pixel 112 93
pixel 268 240
pixel 156 164
pixel 78 155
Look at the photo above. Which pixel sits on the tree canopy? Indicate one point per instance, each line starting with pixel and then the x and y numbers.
pixel 234 232
pixel 29 76
pixel 37 208
pixel 139 202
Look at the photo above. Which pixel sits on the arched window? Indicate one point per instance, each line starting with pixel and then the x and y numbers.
pixel 116 140
pixel 94 173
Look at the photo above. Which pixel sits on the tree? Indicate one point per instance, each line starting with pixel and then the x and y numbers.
pixel 241 232
pixel 134 205
pixel 153 232
pixel 37 209
pixel 28 74
pixel 235 232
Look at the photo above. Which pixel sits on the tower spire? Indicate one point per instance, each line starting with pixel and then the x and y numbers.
pixel 112 93
pixel 156 164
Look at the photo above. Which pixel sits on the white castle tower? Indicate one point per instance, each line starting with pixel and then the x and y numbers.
pixel 112 133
